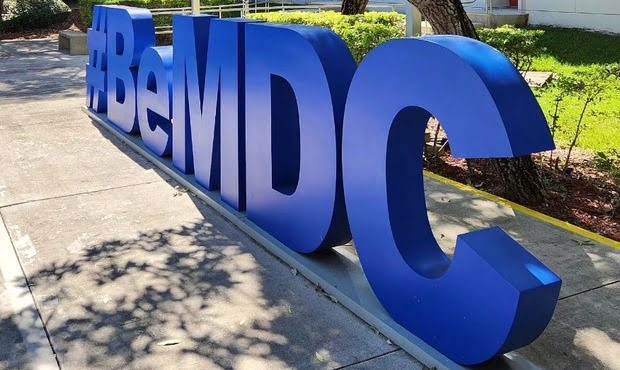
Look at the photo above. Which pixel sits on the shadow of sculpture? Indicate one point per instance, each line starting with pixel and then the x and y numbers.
pixel 36 69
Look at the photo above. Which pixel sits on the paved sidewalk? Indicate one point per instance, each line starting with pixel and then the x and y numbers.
pixel 130 271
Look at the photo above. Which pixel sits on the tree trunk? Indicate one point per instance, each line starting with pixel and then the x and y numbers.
pixel 447 17
pixel 520 179
pixel 518 176
pixel 350 7
pixel 615 212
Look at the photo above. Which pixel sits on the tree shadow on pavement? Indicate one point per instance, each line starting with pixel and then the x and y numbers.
pixel 583 332
pixel 36 69
pixel 12 345
pixel 187 297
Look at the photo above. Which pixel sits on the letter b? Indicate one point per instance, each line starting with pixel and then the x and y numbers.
pixel 130 31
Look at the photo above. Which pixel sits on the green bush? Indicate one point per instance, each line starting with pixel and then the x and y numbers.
pixel 609 162
pixel 32 14
pixel 520 45
pixel 361 32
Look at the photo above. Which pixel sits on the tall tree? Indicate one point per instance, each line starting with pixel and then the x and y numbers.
pixel 447 17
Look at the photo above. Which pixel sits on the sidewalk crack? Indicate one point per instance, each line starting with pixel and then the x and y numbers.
pixel 80 193
pixel 368 359
pixel 35 304
pixel 589 290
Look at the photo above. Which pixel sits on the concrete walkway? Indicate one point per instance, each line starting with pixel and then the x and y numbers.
pixel 127 270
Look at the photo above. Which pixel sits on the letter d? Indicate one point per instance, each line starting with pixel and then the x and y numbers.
pixel 297 79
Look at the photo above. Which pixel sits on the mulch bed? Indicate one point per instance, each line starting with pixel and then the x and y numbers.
pixel 74 22
pixel 581 196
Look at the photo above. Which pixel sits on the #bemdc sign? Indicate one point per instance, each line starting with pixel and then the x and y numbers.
pixel 281 121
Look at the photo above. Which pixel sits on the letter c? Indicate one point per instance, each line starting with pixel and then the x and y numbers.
pixel 493 296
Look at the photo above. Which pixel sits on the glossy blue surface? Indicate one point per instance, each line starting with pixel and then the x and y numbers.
pixel 154 96
pixel 192 137
pixel 224 104
pixel 96 80
pixel 296 83
pixel 210 103
pixel 493 296
pixel 130 31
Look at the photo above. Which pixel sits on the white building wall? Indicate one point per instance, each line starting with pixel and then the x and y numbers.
pixel 602 15
pixel 481 4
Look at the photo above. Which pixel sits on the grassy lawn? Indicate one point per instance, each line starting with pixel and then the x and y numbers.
pixel 569 51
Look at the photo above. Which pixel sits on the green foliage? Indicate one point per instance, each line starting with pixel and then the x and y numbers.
pixel 609 162
pixel 580 54
pixel 520 45
pixel 560 88
pixel 33 14
pixel 588 87
pixel 361 32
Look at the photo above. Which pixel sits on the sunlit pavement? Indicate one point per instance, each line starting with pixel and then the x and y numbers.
pixel 127 270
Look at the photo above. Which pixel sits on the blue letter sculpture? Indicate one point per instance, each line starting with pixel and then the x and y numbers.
pixel 494 296
pixel 296 83
pixel 209 103
pixel 130 31
pixel 224 104
pixel 154 92
pixel 96 83
pixel 259 111
pixel 190 139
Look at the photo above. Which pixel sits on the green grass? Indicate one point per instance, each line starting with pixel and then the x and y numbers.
pixel 569 51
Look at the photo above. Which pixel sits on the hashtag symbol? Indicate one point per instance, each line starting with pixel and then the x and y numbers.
pixel 96 84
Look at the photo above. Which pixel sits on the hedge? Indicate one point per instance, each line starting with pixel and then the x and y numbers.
pixel 520 45
pixel 32 14
pixel 361 32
